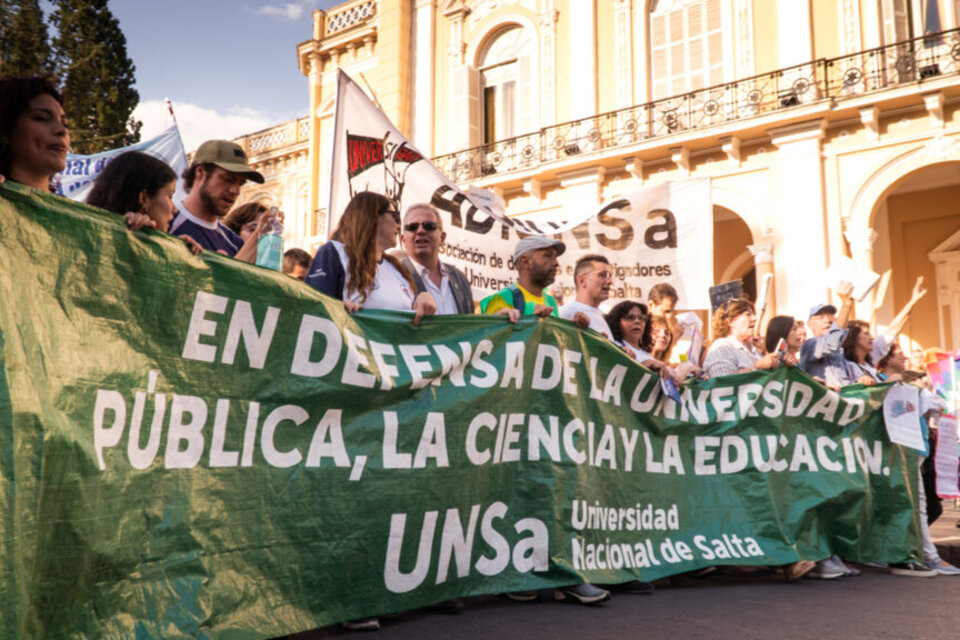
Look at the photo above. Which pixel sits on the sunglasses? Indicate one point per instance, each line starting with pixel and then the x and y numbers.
pixel 413 227
pixel 394 214
pixel 636 317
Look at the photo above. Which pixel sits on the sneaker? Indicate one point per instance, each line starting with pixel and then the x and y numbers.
pixel 521 596
pixel 364 624
pixel 876 565
pixel 447 606
pixel 912 569
pixel 798 569
pixel 582 594
pixel 636 587
pixel 848 571
pixel 942 568
pixel 826 570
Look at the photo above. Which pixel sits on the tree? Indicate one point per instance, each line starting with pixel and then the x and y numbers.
pixel 90 53
pixel 24 50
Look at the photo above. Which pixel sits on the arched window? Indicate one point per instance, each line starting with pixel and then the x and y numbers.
pixel 686 46
pixel 504 66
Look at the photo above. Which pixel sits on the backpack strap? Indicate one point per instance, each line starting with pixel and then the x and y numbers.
pixel 518 301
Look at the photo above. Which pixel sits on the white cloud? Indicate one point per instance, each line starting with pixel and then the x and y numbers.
pixel 289 11
pixel 199 123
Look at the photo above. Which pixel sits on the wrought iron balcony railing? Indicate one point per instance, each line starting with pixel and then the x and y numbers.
pixel 845 77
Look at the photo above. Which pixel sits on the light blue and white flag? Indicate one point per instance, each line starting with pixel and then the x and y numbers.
pixel 77 178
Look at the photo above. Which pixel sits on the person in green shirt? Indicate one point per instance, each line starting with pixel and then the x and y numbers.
pixel 535 259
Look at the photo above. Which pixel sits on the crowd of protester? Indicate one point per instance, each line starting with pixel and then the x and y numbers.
pixel 357 266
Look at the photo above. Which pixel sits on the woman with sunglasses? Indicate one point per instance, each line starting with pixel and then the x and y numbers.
pixel 630 326
pixel 355 268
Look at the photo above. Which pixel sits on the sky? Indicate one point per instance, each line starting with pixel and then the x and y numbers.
pixel 228 66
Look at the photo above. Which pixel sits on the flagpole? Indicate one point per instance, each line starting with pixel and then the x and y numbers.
pixel 169 104
pixel 373 93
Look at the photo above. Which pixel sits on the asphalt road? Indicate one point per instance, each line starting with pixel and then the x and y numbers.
pixel 873 606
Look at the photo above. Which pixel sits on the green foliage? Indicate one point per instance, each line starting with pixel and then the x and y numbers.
pixel 90 58
pixel 24 50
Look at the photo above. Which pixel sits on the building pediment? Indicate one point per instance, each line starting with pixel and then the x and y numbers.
pixel 453 7
pixel 948 248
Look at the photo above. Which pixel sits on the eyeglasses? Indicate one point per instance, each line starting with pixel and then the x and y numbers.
pixel 636 317
pixel 395 214
pixel 413 227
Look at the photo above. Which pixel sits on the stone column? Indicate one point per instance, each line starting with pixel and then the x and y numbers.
pixel 794 35
pixel 861 241
pixel 423 75
pixel 798 202
pixel 548 64
pixel 314 154
pixel 763 263
pixel 624 56
pixel 583 59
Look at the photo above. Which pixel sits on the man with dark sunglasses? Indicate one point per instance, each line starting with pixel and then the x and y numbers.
pixel 422 236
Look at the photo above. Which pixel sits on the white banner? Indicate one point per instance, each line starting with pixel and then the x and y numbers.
pixel 650 235
pixel 901 414
pixel 947 463
pixel 77 178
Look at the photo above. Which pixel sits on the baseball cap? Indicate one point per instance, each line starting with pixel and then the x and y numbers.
pixel 227 155
pixel 820 309
pixel 532 243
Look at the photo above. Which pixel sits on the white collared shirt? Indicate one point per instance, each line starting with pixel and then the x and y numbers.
pixel 443 295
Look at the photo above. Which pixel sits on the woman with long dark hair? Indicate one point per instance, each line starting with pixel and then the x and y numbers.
pixel 355 268
pixel 788 329
pixel 140 188
pixel 857 349
pixel 34 137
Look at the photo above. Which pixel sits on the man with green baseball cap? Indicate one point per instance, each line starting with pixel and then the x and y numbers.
pixel 213 182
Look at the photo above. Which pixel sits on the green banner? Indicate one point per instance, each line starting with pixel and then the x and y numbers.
pixel 195 447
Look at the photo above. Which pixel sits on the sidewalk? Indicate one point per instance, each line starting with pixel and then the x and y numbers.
pixel 946 534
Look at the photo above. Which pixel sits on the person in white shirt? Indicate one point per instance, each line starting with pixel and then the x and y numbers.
pixel 630 329
pixel 593 278
pixel 355 268
pixel 422 237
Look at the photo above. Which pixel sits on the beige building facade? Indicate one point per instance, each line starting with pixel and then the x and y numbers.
pixel 828 128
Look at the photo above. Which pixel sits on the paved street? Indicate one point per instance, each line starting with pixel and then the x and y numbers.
pixel 875 606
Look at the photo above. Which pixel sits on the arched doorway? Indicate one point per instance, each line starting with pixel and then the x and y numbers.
pixel 915 220
pixel 732 259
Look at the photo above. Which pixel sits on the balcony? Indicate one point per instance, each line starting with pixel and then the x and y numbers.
pixel 276 138
pixel 829 81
